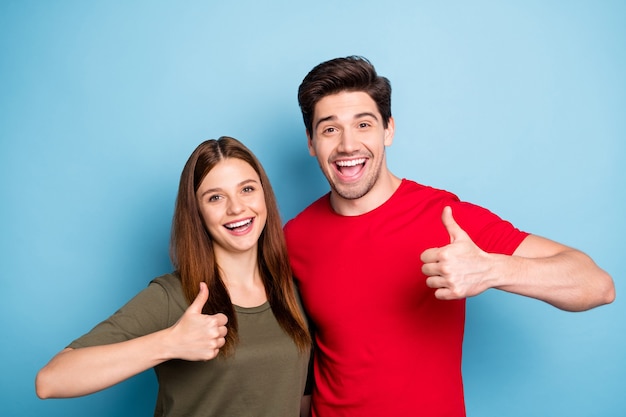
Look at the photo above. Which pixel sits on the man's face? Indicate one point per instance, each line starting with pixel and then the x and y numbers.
pixel 348 139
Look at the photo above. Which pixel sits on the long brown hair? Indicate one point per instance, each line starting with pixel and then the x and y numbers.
pixel 191 248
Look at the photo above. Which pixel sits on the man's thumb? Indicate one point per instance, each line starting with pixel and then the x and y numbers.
pixel 453 228
pixel 200 300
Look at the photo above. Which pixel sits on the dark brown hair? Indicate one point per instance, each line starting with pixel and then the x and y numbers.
pixel 191 248
pixel 353 73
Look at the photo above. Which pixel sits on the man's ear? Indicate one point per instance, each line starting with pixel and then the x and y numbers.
pixel 310 143
pixel 390 131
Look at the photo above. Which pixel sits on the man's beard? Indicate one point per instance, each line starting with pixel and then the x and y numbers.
pixel 357 190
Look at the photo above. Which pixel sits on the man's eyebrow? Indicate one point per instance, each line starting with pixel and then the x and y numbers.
pixel 356 116
pixel 325 119
pixel 366 114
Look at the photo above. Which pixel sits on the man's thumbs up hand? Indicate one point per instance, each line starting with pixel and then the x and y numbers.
pixel 459 269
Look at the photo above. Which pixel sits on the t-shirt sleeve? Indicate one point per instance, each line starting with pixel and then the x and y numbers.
pixel 490 232
pixel 148 312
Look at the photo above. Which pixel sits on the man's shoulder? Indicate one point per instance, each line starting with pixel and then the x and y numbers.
pixel 410 188
pixel 319 206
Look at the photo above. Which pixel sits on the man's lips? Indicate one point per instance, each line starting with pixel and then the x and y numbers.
pixel 350 162
pixel 350 167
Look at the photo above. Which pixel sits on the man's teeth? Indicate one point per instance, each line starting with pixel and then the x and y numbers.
pixel 351 163
pixel 238 224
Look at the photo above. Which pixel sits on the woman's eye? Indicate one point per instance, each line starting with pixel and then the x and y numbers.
pixel 214 198
pixel 248 189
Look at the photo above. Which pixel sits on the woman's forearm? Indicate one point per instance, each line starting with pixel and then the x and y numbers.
pixel 77 372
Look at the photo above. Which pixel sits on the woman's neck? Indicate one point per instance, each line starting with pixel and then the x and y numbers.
pixel 240 274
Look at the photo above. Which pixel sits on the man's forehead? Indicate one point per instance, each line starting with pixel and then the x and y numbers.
pixel 345 104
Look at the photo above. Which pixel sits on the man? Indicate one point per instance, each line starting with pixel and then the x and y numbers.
pixel 384 264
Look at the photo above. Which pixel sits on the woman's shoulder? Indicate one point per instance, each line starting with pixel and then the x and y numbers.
pixel 169 281
pixel 171 286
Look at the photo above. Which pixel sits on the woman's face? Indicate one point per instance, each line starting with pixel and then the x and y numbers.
pixel 232 204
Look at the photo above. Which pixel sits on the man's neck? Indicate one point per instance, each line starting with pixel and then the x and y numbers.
pixel 376 197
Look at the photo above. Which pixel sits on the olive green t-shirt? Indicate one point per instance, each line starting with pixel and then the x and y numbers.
pixel 265 376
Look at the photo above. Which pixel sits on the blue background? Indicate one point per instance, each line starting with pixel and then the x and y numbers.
pixel 518 106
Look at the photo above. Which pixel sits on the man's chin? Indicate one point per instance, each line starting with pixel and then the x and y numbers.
pixel 349 192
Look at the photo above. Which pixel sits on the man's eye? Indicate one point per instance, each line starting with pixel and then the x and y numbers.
pixel 364 124
pixel 330 130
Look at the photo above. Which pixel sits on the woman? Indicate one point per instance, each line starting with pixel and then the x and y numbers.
pixel 224 333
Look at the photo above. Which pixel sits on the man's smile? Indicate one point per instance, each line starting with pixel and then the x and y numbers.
pixel 350 167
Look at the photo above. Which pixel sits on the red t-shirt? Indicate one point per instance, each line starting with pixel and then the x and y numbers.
pixel 385 346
